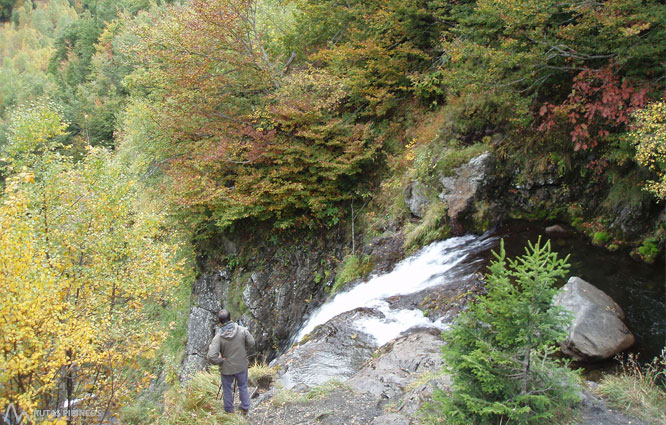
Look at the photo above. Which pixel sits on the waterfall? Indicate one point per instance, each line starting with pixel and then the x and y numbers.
pixel 437 264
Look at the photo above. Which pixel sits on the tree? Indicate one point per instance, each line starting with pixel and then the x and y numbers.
pixel 649 137
pixel 6 7
pixel 498 351
pixel 240 139
pixel 374 45
pixel 25 48
pixel 80 264
pixel 32 131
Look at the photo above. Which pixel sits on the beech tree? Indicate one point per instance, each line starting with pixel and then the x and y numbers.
pixel 239 137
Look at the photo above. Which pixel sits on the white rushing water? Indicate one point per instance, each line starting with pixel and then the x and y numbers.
pixel 437 264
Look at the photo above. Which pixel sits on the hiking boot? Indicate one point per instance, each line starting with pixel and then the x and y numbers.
pixel 244 412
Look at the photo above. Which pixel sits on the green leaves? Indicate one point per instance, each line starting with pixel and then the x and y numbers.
pixel 32 131
pixel 498 351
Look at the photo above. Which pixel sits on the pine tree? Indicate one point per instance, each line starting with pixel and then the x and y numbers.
pixel 498 352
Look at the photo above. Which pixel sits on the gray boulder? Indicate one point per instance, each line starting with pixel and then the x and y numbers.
pixel 334 350
pixel 416 198
pixel 390 419
pixel 461 190
pixel 598 330
pixel 556 231
pixel 396 368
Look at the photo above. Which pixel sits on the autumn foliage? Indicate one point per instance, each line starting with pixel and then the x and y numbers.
pixel 80 265
pixel 245 140
pixel 649 137
pixel 599 102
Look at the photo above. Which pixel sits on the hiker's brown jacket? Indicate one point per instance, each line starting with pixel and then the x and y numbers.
pixel 231 343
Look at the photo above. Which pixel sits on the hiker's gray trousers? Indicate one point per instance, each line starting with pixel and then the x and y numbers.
pixel 227 387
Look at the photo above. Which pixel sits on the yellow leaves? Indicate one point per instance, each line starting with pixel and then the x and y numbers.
pixel 635 29
pixel 79 263
pixel 649 137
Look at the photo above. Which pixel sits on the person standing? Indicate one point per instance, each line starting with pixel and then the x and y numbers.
pixel 229 350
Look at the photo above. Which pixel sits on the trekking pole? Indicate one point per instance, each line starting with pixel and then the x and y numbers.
pixel 217 397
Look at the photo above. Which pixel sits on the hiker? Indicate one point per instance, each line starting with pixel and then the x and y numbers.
pixel 229 351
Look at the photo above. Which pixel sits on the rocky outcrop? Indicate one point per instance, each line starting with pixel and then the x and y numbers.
pixel 333 351
pixel 396 367
pixel 416 198
pixel 402 375
pixel 466 186
pixel 267 282
pixel 390 419
pixel 598 330
pixel 207 294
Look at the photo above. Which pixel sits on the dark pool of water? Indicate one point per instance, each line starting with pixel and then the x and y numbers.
pixel 640 289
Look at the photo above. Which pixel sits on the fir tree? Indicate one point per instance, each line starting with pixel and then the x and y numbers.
pixel 498 352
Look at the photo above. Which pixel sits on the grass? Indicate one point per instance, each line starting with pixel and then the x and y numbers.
pixel 456 156
pixel 285 396
pixel 433 227
pixel 601 238
pixel 324 389
pixel 261 375
pixel 351 268
pixel 638 389
pixel 424 378
pixel 196 403
pixel 649 250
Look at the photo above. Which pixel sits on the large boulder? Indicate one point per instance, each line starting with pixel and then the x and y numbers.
pixel 406 370
pixel 466 186
pixel 416 198
pixel 598 330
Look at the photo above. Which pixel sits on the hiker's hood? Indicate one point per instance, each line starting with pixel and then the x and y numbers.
pixel 229 330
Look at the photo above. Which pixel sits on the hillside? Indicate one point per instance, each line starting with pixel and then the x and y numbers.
pixel 162 159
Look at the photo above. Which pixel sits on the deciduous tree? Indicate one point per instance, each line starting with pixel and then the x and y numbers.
pixel 80 264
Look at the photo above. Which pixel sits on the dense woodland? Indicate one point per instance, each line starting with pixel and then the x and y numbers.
pixel 131 130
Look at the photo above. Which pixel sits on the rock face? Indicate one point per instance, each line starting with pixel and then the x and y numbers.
pixel 207 294
pixel 598 331
pixel 416 198
pixel 276 285
pixel 388 389
pixel 461 190
pixel 396 366
pixel 334 350
pixel 268 284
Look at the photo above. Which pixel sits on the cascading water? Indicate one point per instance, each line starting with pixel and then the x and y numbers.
pixel 346 330
pixel 438 264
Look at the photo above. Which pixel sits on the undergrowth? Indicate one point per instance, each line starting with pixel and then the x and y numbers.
pixel 433 227
pixel 352 267
pixel 639 390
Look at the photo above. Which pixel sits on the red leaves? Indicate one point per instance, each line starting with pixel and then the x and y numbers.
pixel 599 103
